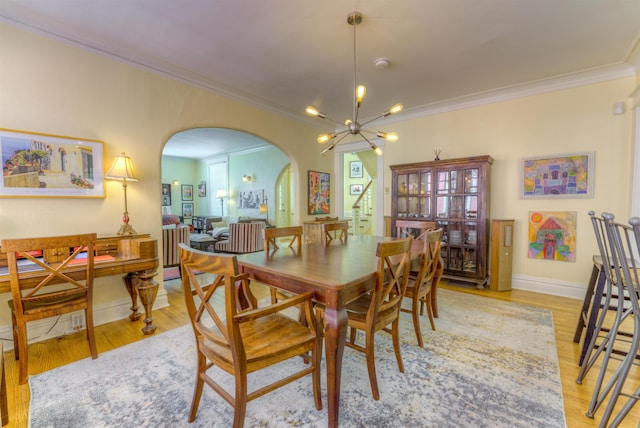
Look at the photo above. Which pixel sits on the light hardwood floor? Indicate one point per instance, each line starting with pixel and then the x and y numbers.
pixel 56 352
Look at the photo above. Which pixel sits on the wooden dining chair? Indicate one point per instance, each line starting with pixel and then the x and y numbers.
pixel 68 287
pixel 380 308
pixel 271 235
pixel 421 283
pixel 338 230
pixel 242 341
pixel 413 228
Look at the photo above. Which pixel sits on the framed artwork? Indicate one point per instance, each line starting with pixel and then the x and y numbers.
pixel 166 195
pixel 552 235
pixel 187 210
pixel 187 192
pixel 355 169
pixel 50 166
pixel 355 189
pixel 202 189
pixel 558 176
pixel 250 199
pixel 319 192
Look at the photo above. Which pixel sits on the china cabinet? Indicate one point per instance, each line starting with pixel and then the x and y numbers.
pixel 455 194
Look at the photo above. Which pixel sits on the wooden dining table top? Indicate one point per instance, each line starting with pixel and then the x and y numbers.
pixel 335 266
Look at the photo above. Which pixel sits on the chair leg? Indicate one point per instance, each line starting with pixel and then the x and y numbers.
pixel 197 391
pixel 22 345
pixel 430 312
pixel 395 334
pixel 416 319
pixel 14 330
pixel 371 364
pixel 240 405
pixel 91 337
pixel 316 357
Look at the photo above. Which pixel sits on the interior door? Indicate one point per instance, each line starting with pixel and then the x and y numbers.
pixel 284 198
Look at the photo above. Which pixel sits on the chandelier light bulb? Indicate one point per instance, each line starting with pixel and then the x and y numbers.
pixel 391 137
pixel 312 111
pixel 361 91
pixel 323 138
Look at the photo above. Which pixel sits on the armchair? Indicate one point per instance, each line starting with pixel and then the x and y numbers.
pixel 171 237
pixel 243 238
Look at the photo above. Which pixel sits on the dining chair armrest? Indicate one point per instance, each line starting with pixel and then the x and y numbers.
pixel 275 308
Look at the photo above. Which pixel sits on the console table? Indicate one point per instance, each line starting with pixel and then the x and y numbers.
pixel 136 256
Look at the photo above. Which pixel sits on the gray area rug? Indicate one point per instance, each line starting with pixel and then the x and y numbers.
pixel 489 364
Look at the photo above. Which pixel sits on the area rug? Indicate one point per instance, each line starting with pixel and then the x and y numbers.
pixel 170 273
pixel 489 364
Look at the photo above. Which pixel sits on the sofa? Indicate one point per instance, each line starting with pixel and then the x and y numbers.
pixel 169 219
pixel 243 238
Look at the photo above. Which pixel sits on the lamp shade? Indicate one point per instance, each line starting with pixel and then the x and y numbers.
pixel 263 208
pixel 121 169
pixel 221 194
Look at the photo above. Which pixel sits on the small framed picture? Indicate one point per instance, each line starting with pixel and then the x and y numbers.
pixel 187 192
pixel 355 169
pixel 187 210
pixel 202 190
pixel 355 189
pixel 166 195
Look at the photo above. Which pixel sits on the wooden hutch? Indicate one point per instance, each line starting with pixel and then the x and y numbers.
pixel 455 194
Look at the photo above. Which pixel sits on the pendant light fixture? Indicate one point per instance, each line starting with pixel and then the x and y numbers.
pixel 353 126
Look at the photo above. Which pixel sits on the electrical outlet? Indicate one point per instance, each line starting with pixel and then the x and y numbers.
pixel 77 322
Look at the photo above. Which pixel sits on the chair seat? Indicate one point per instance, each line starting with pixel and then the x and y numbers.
pixel 357 312
pixel 267 339
pixel 52 305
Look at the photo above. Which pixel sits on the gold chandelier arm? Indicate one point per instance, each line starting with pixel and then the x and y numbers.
pixel 375 148
pixel 335 143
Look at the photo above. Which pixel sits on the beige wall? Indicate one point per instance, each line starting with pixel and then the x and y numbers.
pixel 52 88
pixel 565 121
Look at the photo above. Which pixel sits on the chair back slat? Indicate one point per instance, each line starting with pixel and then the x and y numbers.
pixel 271 234
pixel 413 228
pixel 392 274
pixel 429 257
pixel 338 230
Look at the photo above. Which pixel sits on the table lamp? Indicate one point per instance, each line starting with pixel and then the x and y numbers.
pixel 122 170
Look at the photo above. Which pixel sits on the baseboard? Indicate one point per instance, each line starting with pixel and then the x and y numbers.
pixel 50 328
pixel 554 287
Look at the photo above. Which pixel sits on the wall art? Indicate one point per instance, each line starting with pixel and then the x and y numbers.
pixel 552 235
pixel 50 166
pixel 319 193
pixel 558 176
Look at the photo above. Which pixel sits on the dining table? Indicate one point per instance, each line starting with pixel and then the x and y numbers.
pixel 337 273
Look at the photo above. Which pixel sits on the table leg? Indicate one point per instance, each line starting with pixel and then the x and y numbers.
pixel 335 335
pixel 130 280
pixel 148 290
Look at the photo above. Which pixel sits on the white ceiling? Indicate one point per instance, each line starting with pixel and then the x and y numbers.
pixel 283 55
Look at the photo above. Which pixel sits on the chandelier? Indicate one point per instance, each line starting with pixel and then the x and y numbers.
pixel 353 126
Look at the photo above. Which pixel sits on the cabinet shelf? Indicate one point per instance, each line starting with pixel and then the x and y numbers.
pixel 455 194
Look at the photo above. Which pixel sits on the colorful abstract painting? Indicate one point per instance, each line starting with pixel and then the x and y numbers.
pixel 552 235
pixel 319 201
pixel 560 176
